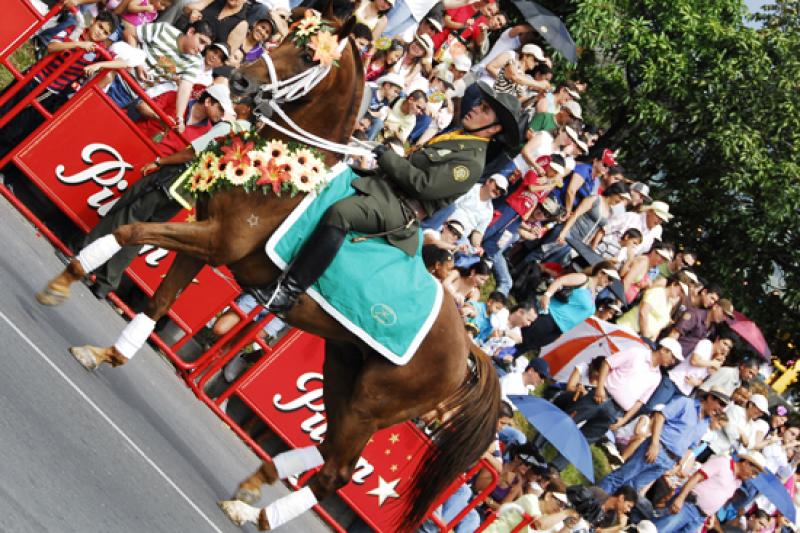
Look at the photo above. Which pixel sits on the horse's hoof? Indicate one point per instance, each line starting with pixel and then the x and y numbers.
pixel 239 512
pixel 52 297
pixel 249 496
pixel 85 356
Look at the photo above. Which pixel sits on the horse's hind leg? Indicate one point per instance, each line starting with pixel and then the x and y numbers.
pixel 350 422
pixel 180 274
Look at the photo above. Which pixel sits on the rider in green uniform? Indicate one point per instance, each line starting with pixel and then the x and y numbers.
pixel 403 192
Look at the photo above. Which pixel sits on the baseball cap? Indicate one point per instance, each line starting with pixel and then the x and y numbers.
pixel 462 63
pixel 726 306
pixel 550 206
pixel 719 394
pixel 393 78
pixel 573 108
pixel 642 189
pixel 673 346
pixel 540 366
pixel 611 273
pixel 754 458
pixel 666 254
pixel 436 23
pixel 760 401
pixel 533 50
pixel 221 47
pixel 222 94
pixel 576 139
pixel 500 180
pixel 661 209
pixel 609 158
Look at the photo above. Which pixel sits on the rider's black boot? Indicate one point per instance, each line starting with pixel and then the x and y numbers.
pixel 310 263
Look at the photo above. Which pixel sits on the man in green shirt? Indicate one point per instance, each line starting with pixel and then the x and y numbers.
pixel 402 192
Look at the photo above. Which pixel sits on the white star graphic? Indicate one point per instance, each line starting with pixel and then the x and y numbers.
pixel 385 490
pixel 252 220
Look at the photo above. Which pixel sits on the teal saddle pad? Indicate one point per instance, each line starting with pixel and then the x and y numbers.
pixel 386 298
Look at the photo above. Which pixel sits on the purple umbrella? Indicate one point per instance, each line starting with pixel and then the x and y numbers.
pixel 748 331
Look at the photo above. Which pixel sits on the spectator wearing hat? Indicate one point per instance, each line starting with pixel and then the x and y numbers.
pixel 638 271
pixel 640 194
pixel 521 383
pixel 707 491
pixel 627 380
pixel 475 208
pixel 560 312
pixel 607 309
pixel 386 90
pixel 648 221
pixel 514 74
pixel 509 225
pixel 567 115
pixel 146 201
pixel 584 181
pixel 417 61
pixel 697 323
pixel 439 111
pixel 752 431
pixel 677 425
pixel 654 312
pixel 552 511
pixel 729 378
pixel 706 357
pixel 447 237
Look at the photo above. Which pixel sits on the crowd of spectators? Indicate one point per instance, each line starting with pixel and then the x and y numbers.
pixel 560 232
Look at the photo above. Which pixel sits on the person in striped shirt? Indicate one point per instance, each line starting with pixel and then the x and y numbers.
pixel 171 56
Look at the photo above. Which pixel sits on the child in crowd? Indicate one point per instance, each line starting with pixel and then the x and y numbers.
pixel 69 41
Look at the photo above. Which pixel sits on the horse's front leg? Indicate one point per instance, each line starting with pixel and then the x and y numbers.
pixel 195 239
pixel 133 337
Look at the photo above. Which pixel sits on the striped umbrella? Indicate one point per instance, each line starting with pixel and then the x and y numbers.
pixel 589 339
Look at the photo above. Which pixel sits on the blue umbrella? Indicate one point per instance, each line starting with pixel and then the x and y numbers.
pixel 549 26
pixel 559 429
pixel 772 488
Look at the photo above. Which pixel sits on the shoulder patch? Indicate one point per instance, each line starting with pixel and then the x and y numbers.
pixel 460 173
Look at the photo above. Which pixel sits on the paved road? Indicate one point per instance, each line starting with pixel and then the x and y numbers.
pixel 115 450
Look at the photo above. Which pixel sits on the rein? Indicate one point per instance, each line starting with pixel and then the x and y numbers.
pixel 280 91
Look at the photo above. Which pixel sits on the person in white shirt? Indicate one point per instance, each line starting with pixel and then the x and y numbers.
pixel 475 207
pixel 706 357
pixel 516 383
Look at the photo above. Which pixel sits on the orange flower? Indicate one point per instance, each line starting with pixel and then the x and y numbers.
pixel 326 48
pixel 236 152
pixel 274 175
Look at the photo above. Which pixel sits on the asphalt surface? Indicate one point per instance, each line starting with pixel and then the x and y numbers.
pixel 114 450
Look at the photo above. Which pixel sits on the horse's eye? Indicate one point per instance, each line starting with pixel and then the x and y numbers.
pixel 307 57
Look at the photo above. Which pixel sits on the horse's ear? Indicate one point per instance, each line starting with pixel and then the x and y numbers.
pixel 329 13
pixel 346 28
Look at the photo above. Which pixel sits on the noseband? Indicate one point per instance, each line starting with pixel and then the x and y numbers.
pixel 270 96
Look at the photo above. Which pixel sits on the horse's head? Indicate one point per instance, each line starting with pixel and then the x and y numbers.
pixel 313 42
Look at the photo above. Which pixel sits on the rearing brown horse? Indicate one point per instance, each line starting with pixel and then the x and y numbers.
pixel 363 391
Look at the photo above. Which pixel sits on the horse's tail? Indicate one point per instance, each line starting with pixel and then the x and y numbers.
pixel 461 440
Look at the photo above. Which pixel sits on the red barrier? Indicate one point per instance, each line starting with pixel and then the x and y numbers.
pixel 20 21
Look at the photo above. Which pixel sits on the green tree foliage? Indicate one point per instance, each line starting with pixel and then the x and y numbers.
pixel 707 109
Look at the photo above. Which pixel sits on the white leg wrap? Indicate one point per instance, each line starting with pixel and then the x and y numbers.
pixel 98 252
pixel 295 462
pixel 290 507
pixel 134 335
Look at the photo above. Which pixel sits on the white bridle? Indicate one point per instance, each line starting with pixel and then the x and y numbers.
pixel 291 89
